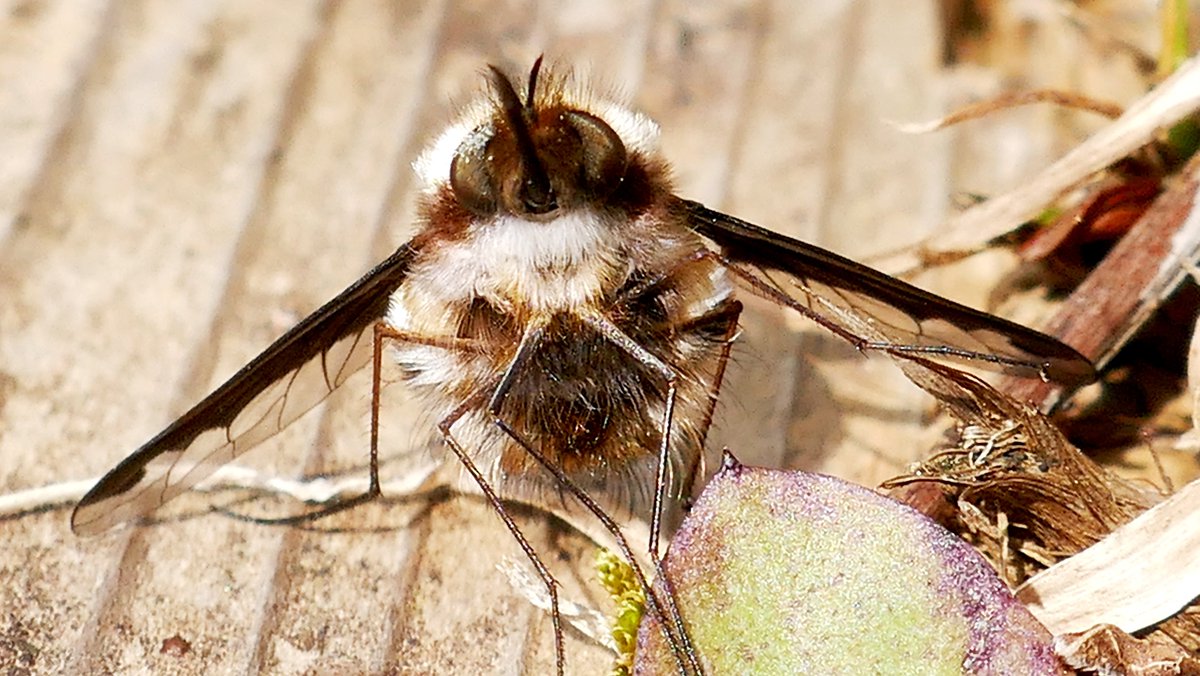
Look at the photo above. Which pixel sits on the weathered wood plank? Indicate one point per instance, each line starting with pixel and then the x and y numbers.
pixel 227 167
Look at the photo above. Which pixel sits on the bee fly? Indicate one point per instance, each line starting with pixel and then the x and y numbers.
pixel 567 317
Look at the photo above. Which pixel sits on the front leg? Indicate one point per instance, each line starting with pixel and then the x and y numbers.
pixel 673 627
pixel 616 336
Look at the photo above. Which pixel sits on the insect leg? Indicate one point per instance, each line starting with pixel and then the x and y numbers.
pixel 729 313
pixel 681 645
pixel 494 499
pixel 615 335
pixel 382 333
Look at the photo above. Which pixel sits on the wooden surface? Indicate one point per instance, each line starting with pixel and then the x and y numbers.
pixel 183 180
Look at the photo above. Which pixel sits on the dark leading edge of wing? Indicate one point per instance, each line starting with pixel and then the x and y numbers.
pixel 902 312
pixel 293 375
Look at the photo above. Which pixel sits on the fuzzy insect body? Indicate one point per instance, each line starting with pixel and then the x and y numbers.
pixel 567 319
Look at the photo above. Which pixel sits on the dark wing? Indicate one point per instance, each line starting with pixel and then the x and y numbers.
pixel 293 375
pixel 876 311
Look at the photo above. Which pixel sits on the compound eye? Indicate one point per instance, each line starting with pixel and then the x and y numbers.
pixel 604 158
pixel 471 176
